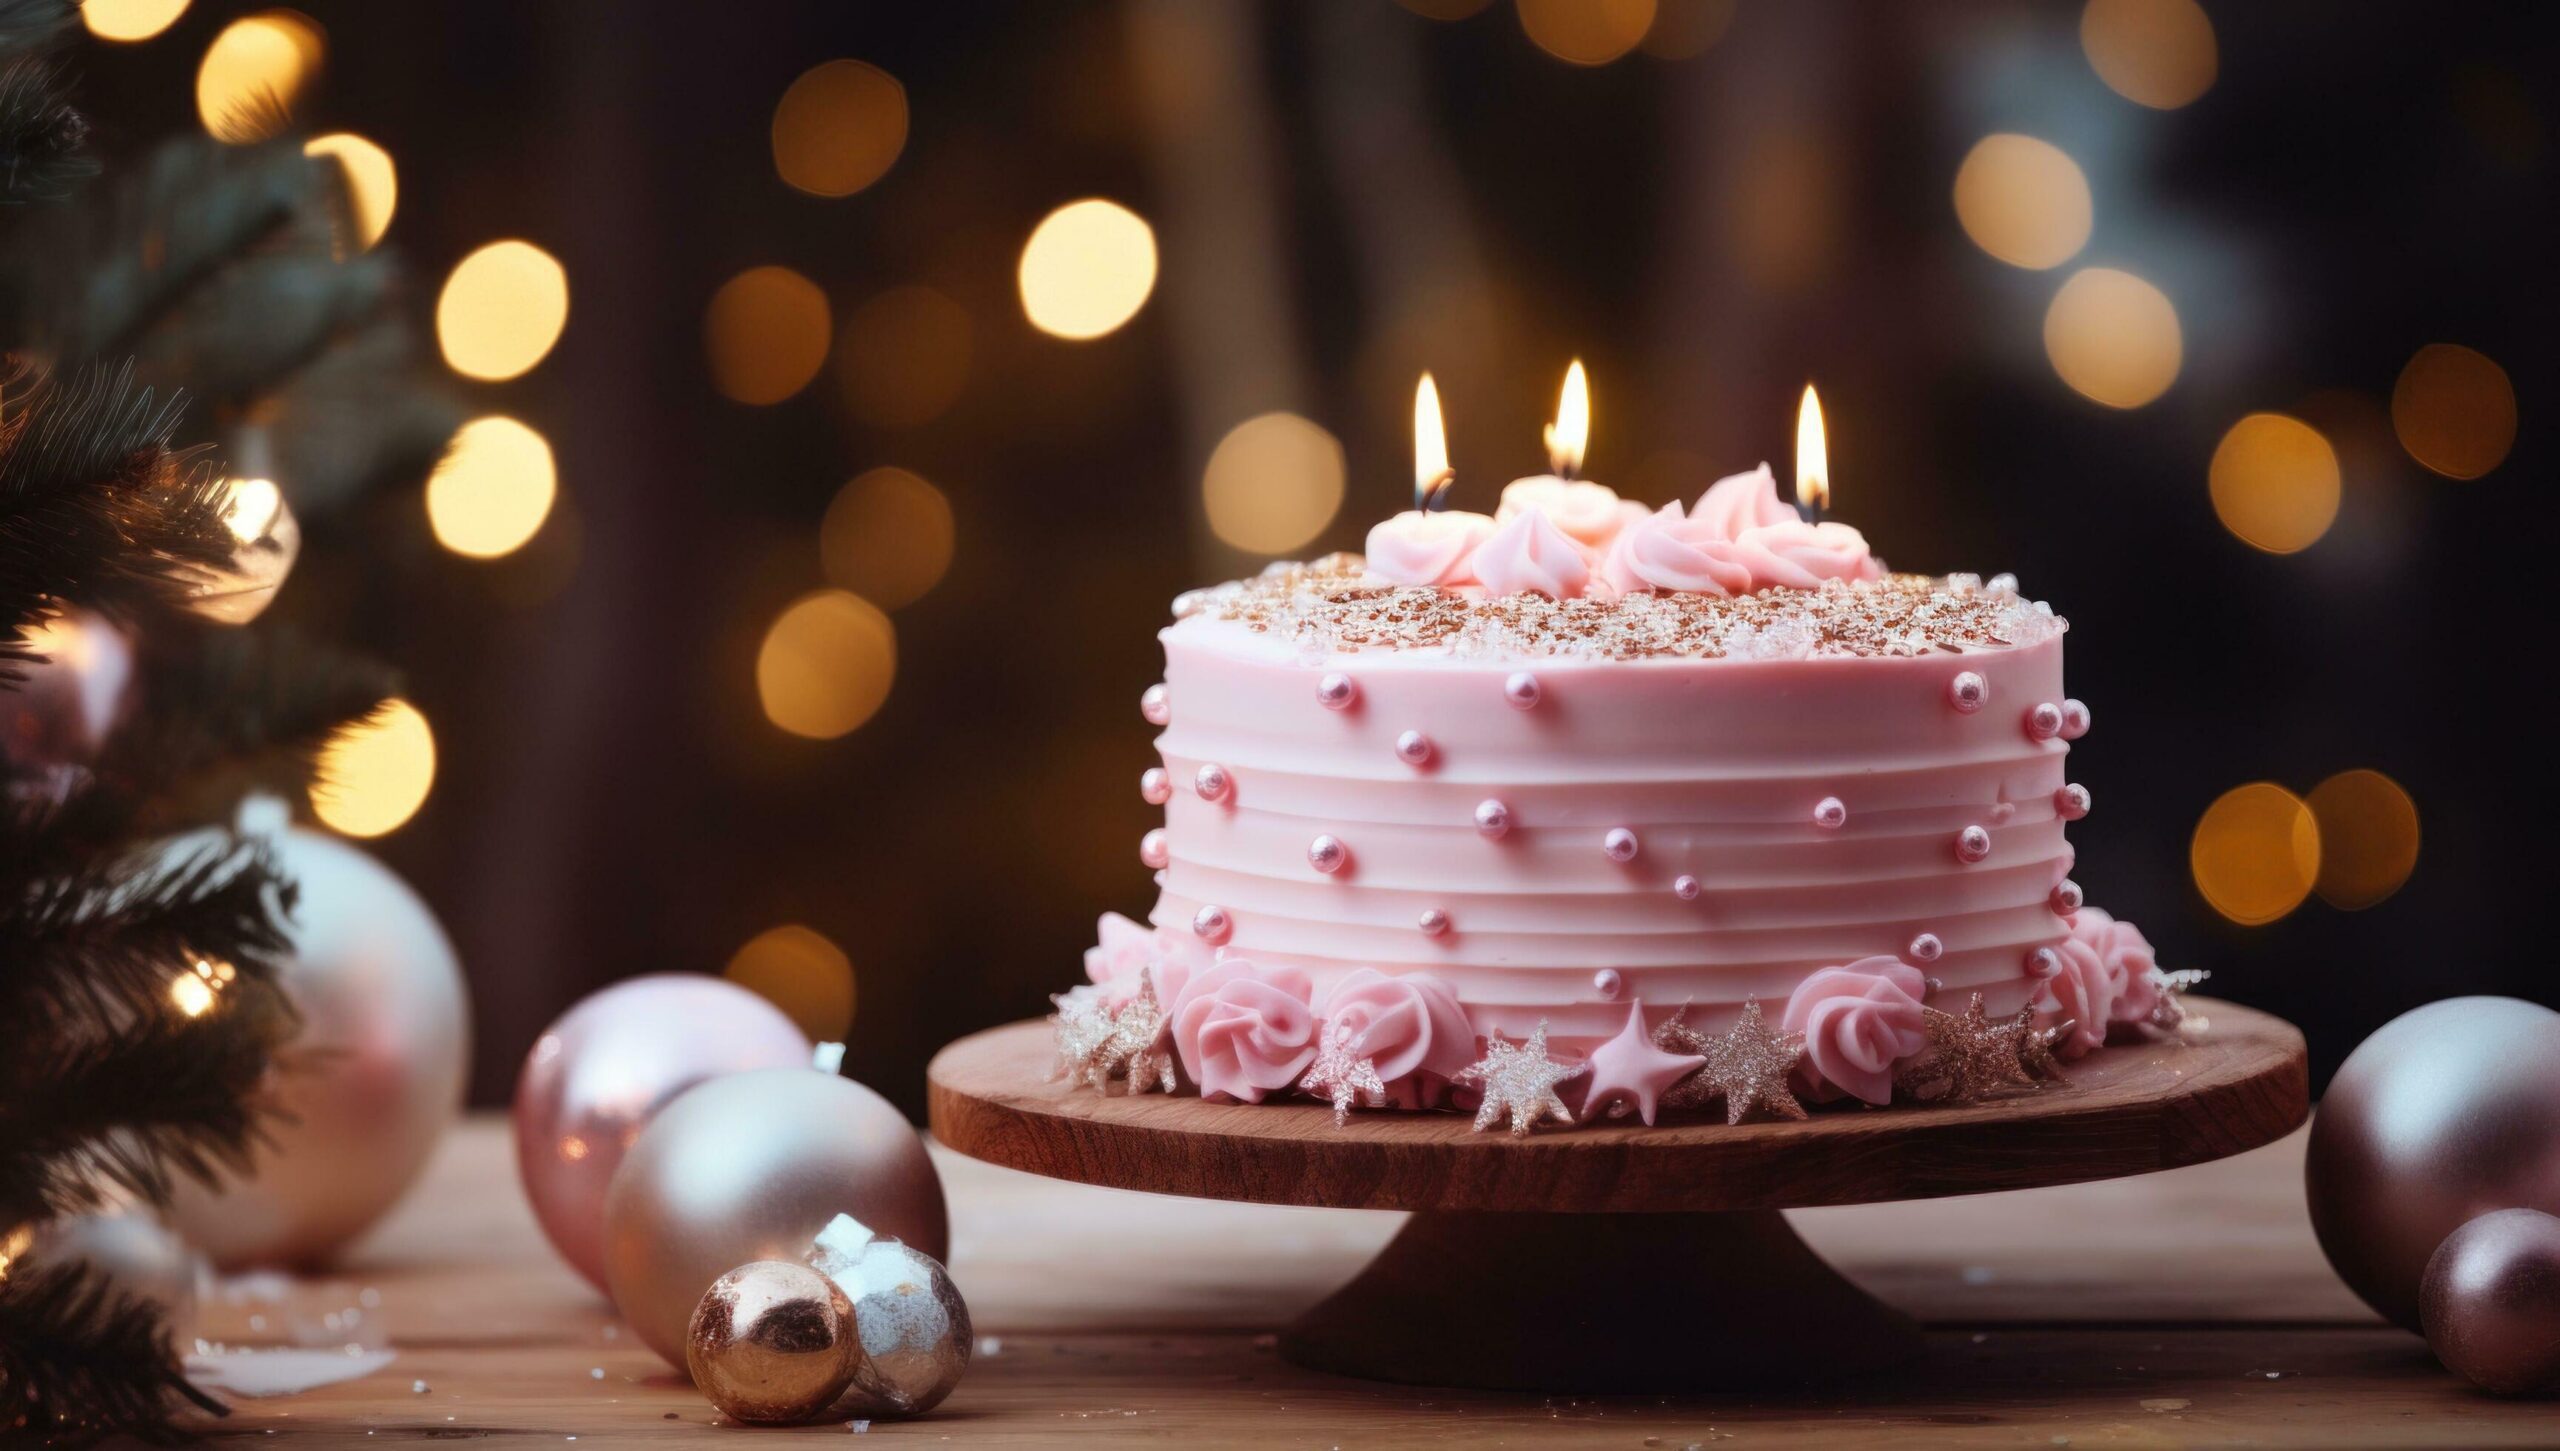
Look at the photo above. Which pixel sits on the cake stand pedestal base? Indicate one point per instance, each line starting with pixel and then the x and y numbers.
pixel 1592 1303
pixel 1617 1257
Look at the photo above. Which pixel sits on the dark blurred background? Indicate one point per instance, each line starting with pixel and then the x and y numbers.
pixel 2336 215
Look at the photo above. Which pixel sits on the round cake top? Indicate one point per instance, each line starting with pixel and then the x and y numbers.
pixel 1334 606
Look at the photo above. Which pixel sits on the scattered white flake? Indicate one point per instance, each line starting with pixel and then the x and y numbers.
pixel 595 1373
pixel 990 1344
pixel 859 1428
pixel 417 1387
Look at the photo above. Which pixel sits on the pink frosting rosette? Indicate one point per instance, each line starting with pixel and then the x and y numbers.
pixel 2131 965
pixel 1426 548
pixel 1801 556
pixel 1410 1028
pixel 1858 1021
pixel 1123 949
pixel 1243 1031
pixel 1531 555
pixel 1739 503
pixel 1673 550
pixel 1590 514
pixel 2084 992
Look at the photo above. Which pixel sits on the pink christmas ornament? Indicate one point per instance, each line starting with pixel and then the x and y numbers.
pixel 598 1075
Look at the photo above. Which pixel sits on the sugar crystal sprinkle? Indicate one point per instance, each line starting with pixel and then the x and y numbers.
pixel 1332 607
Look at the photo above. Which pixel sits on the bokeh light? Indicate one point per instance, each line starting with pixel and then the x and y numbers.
pixel 1273 483
pixel 492 489
pixel 826 664
pixel 2113 337
pixel 2368 838
pixel 373 775
pixel 501 310
pixel 887 537
pixel 2023 201
pixel 1087 269
pixel 254 72
pixel 1586 32
pixel 904 357
pixel 373 183
pixel 2256 853
pixel 1444 9
pixel 2274 481
pixel 2454 410
pixel 765 334
pixel 2159 53
pixel 1685 29
pixel 799 971
pixel 839 128
pixel 130 20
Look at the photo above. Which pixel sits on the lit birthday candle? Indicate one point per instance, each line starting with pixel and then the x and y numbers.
pixel 1428 543
pixel 1590 514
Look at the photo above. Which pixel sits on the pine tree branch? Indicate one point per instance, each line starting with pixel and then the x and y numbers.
pixel 84 950
pixel 42 139
pixel 355 419
pixel 80 1359
pixel 27 26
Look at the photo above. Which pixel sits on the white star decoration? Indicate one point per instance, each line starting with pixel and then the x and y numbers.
pixel 1097 1044
pixel 1342 1073
pixel 1520 1080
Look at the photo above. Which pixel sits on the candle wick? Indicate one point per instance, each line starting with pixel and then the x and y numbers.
pixel 1433 497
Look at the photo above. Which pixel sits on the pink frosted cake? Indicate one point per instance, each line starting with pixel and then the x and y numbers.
pixel 1585 809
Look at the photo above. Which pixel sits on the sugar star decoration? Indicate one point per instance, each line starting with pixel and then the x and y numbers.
pixel 1749 1067
pixel 1078 1028
pixel 1674 1035
pixel 1097 1044
pixel 1629 1073
pixel 1519 1079
pixel 1343 1073
pixel 1968 1057
pixel 2169 1017
pixel 2035 1045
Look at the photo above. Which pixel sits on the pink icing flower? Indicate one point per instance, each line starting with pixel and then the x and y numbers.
pixel 1243 1031
pixel 1530 555
pixel 1419 548
pixel 1670 550
pixel 2131 965
pixel 1410 1027
pixel 1738 503
pixel 2084 992
pixel 1802 556
pixel 1124 949
pixel 1589 513
pixel 1858 1021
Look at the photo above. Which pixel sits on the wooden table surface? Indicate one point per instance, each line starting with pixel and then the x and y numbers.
pixel 2190 1308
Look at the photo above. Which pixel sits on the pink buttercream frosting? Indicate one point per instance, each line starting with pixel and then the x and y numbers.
pixel 1243 1031
pixel 2131 965
pixel 1426 548
pixel 1529 554
pixel 1411 1028
pixel 1738 503
pixel 1124 949
pixel 1802 556
pixel 2085 992
pixel 1858 1021
pixel 1587 512
pixel 1673 550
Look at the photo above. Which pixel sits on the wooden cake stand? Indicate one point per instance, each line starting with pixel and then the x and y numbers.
pixel 1620 1258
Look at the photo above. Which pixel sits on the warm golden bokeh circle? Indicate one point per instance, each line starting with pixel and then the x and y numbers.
pixel 903 357
pixel 2159 53
pixel 2454 410
pixel 501 310
pixel 2368 838
pixel 2274 481
pixel 1087 268
pixel 130 20
pixel 492 489
pixel 839 128
pixel 826 664
pixel 765 334
pixel 887 537
pixel 2256 853
pixel 1586 32
pixel 375 774
pixel 1686 29
pixel 2113 337
pixel 254 73
pixel 1273 483
pixel 801 972
pixel 2023 201
pixel 373 183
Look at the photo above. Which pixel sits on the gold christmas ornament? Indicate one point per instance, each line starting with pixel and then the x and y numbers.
pixel 913 1324
pixel 1342 1073
pixel 772 1342
pixel 1520 1080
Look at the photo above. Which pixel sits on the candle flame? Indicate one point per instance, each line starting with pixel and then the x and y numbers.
pixel 1431 473
pixel 1813 458
pixel 1570 434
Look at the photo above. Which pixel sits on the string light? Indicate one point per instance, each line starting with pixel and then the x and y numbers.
pixel 492 489
pixel 887 537
pixel 2368 838
pixel 2274 481
pixel 826 664
pixel 2156 53
pixel 1273 483
pixel 2113 337
pixel 501 310
pixel 373 183
pixel 1087 269
pixel 130 20
pixel 765 334
pixel 839 128
pixel 2023 201
pixel 801 972
pixel 373 775
pixel 2256 853
pixel 2454 411
pixel 1586 32
pixel 254 72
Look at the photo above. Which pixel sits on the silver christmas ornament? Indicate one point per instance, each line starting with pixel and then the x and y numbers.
pixel 913 1323
pixel 266 538
pixel 772 1342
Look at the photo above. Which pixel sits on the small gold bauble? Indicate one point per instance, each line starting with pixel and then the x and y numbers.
pixel 772 1342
